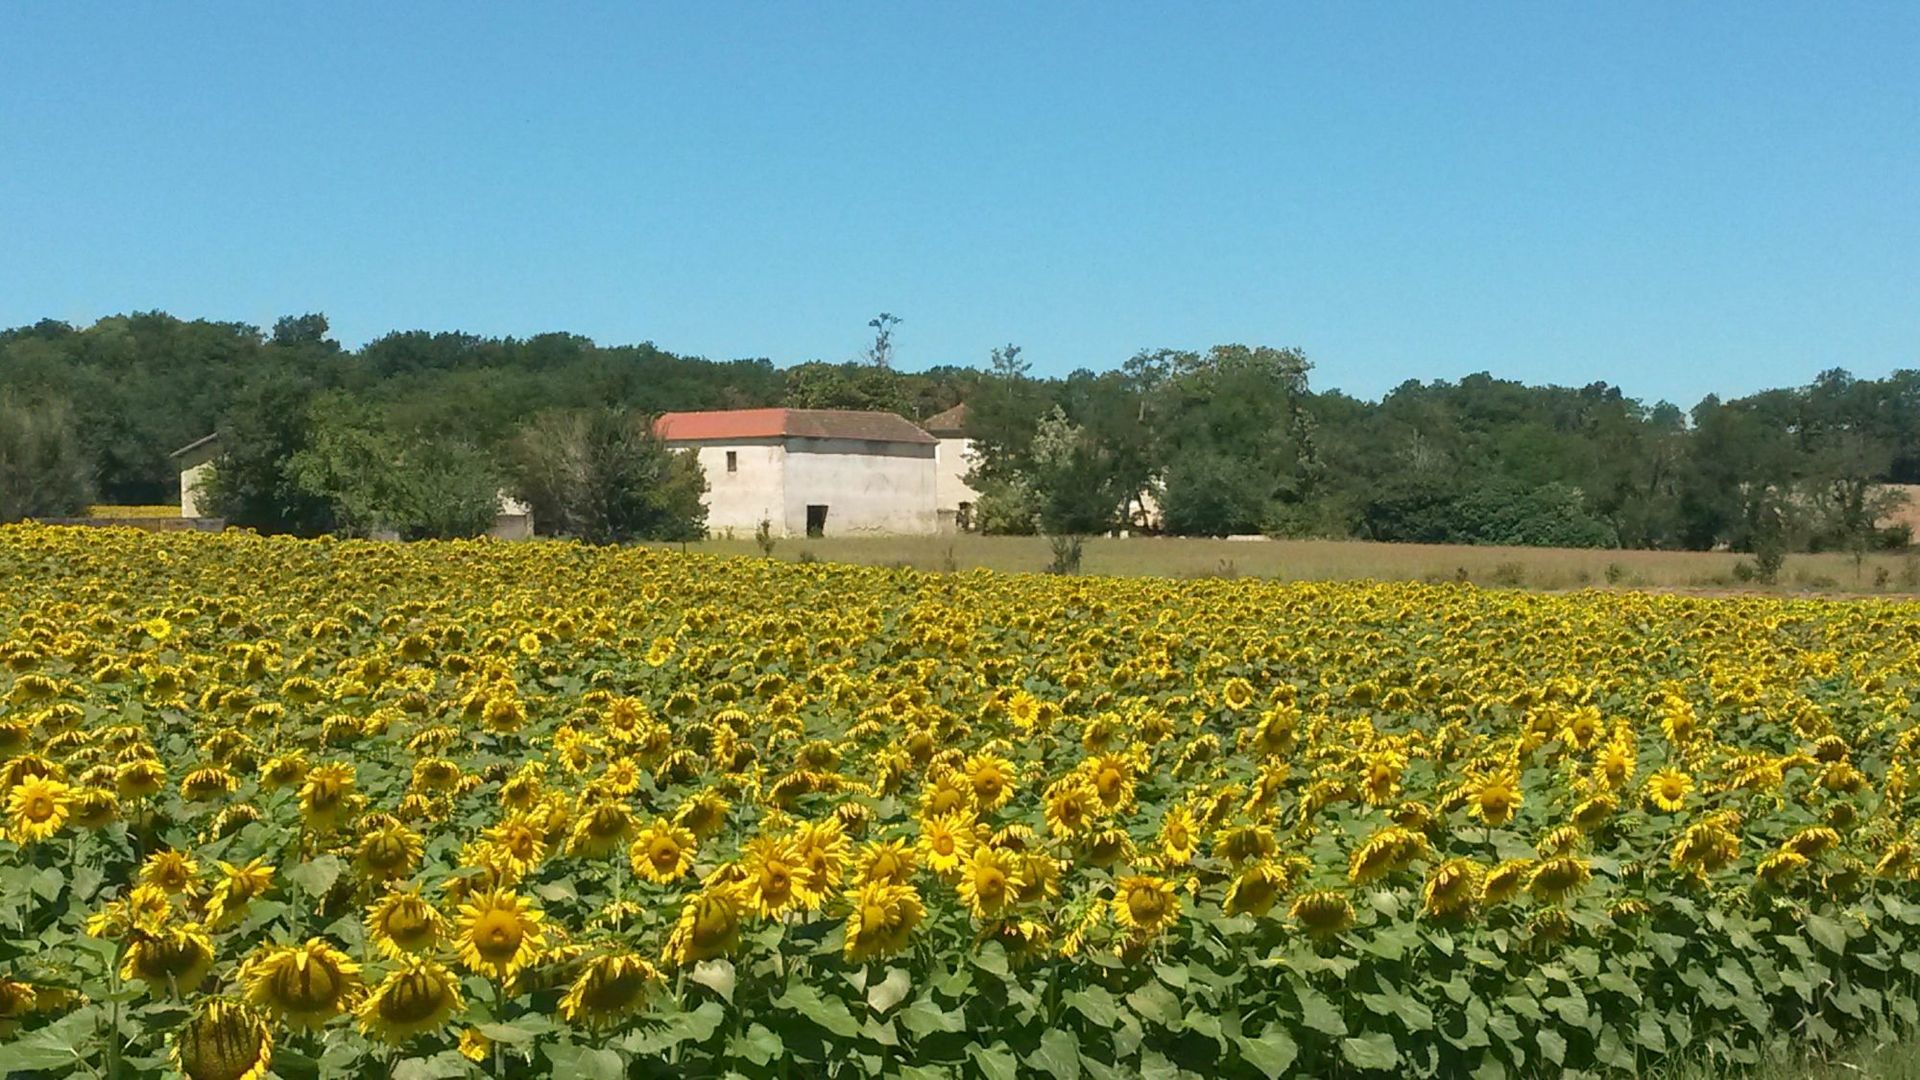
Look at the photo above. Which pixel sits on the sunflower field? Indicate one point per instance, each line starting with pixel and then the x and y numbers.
pixel 335 808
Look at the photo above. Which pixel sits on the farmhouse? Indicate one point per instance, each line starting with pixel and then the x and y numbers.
pixel 811 472
pixel 952 459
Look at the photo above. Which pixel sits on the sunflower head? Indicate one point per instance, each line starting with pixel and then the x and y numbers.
pixel 418 996
pixel 1145 904
pixel 1323 913
pixel 663 852
pixel 303 985
pixel 403 923
pixel 223 1040
pixel 708 926
pixel 881 918
pixel 608 988
pixel 499 934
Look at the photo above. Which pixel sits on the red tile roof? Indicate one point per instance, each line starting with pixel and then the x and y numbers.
pixel 795 423
pixel 951 422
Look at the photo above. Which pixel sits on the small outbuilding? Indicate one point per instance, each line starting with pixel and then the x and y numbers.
pixel 954 499
pixel 810 472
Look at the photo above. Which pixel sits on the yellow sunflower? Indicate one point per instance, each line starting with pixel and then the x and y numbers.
pixel 237 887
pixel 36 809
pixel 663 852
pixel 1145 904
pixel 303 985
pixel 1323 912
pixel 609 988
pixel 1667 790
pixel 887 862
pixel 418 997
pixel 171 959
pixel 945 843
pixel 881 919
pixel 708 926
pixel 402 923
pixel 499 934
pixel 223 1040
pixel 989 880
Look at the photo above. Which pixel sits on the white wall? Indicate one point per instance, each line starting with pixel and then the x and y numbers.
pixel 739 500
pixel 189 498
pixel 953 458
pixel 868 487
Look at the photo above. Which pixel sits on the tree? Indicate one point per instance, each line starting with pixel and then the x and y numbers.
pixel 880 353
pixel 374 480
pixel 602 476
pixel 251 483
pixel 44 471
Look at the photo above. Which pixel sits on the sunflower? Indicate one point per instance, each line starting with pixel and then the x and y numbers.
pixel 1105 847
pixel 389 852
pixel 515 845
pixel 499 934
pixel 474 1044
pixel 1242 844
pixel 418 997
pixel 1777 869
pixel 880 920
pixel 1505 881
pixel 402 923
pixel 1323 913
pixel 708 926
pixel 601 831
pixel 1812 841
pixel 172 872
pixel 1179 836
pixel 945 843
pixel 1592 813
pixel 1071 808
pixel 1038 879
pixel 238 886
pixel 1667 790
pixel 326 796
pixel 1110 777
pixel 1237 694
pixel 1496 799
pixel 703 814
pixel 139 779
pixel 1386 851
pixel 1557 878
pixel 776 881
pixel 663 852
pixel 609 987
pixel 1145 904
pixel 887 862
pixel 824 850
pixel 991 779
pixel 36 809
pixel 175 959
pixel 1452 889
pixel 303 985
pixel 989 880
pixel 1255 890
pixel 223 1040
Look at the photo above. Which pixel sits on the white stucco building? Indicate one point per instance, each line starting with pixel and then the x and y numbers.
pixel 810 472
pixel 953 458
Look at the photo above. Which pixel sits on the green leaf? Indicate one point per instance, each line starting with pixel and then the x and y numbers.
pixel 995 1062
pixel 717 976
pixel 1096 1004
pixel 63 1045
pixel 1318 1013
pixel 1058 1055
pixel 828 1012
pixel 1552 1045
pixel 316 876
pixel 1371 1051
pixel 585 1062
pixel 756 1044
pixel 445 1065
pixel 924 1018
pixel 1272 1054
pixel 890 991
pixel 48 883
pixel 516 1033
pixel 1830 935
pixel 1156 1003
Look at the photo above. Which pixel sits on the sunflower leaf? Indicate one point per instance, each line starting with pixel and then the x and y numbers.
pixel 890 991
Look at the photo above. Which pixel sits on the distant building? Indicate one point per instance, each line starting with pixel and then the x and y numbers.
pixel 513 521
pixel 811 472
pixel 954 501
pixel 194 460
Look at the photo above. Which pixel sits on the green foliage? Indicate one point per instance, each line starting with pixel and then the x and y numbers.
pixel 373 481
pixel 44 471
pixel 601 475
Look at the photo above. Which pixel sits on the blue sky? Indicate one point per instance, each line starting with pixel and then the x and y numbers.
pixel 1674 198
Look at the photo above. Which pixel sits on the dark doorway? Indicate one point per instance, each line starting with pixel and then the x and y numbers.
pixel 816 520
pixel 963 517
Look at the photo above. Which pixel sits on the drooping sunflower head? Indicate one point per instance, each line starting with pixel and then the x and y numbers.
pixel 1452 889
pixel 708 926
pixel 171 872
pixel 1323 912
pixel 1386 851
pixel 1145 904
pixel 402 923
pixel 887 862
pixel 238 886
pixel 1255 890
pixel 608 988
pixel 601 830
pixel 1505 881
pixel 418 997
pixel 223 1040
pixel 499 934
pixel 170 959
pixel 389 852
pixel 1559 877
pixel 703 814
pixel 303 985
pixel 326 796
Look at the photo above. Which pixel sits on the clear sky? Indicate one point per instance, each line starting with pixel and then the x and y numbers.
pixel 1676 198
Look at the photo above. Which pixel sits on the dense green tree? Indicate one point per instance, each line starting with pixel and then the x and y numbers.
pixel 601 475
pixel 44 471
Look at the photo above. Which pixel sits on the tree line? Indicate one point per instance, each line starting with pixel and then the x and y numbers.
pixel 420 432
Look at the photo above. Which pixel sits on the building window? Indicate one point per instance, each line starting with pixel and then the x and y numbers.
pixel 816 520
pixel 733 461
